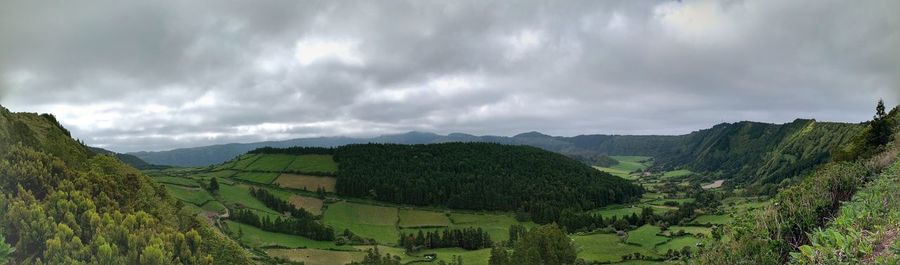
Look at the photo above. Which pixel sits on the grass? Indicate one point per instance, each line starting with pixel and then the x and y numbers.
pixel 317 256
pixel 688 229
pixel 256 237
pixel 240 195
pixel 712 219
pixel 177 181
pixel 369 221
pixel 617 210
pixel 271 163
pixel 677 173
pixel 679 243
pixel 418 218
pixel 304 182
pixel 646 236
pixel 194 196
pixel 221 174
pixel 469 257
pixel 310 204
pixel 245 161
pixel 313 163
pixel 497 225
pixel 627 164
pixel 258 177
pixel 214 206
pixel 605 248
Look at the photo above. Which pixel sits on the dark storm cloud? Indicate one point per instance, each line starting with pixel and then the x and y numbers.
pixel 163 74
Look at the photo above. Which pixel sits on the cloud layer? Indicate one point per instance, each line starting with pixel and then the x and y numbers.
pixel 157 75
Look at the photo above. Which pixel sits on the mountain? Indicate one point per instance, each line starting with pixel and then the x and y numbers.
pixel 62 203
pixel 130 160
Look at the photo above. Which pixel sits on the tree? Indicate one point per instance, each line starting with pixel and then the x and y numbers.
pixel 544 245
pixel 880 128
pixel 5 250
pixel 214 185
pixel 499 256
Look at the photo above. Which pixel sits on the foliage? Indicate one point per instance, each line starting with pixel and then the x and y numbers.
pixel 6 250
pixel 373 257
pixel 862 226
pixel 63 204
pixel 466 238
pixel 289 225
pixel 544 245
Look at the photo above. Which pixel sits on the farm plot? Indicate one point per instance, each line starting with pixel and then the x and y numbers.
pixel 186 182
pixel 712 219
pixel 417 218
pixel 497 225
pixel 271 163
pixel 245 161
pixel 195 196
pixel 310 204
pixel 369 221
pixel 313 164
pixel 646 236
pixel 304 182
pixel 239 195
pixel 605 248
pixel 255 237
pixel 679 243
pixel 693 230
pixel 258 177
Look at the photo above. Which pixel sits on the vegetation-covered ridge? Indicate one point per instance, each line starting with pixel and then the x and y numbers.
pixel 61 203
pixel 807 219
pixel 475 176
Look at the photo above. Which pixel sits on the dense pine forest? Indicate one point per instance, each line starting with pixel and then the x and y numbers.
pixel 476 176
pixel 64 204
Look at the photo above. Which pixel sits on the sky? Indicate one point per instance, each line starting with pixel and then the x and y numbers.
pixel 158 75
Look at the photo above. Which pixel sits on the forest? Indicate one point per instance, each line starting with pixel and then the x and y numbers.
pixel 475 176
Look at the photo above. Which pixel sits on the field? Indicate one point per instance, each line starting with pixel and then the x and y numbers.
pixel 256 237
pixel 310 204
pixel 304 182
pixel 617 210
pixel 317 256
pixel 627 164
pixel 240 195
pixel 477 257
pixel 416 218
pixel 688 229
pixel 646 236
pixel 605 248
pixel 186 182
pixel 368 221
pixel 313 163
pixel 245 161
pixel 496 225
pixel 258 177
pixel 678 243
pixel 194 196
pixel 271 163
pixel 712 219
pixel 677 173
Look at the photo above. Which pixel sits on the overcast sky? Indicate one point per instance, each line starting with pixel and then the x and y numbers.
pixel 156 75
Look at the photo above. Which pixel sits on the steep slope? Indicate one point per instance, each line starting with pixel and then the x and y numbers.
pixel 64 204
pixel 754 152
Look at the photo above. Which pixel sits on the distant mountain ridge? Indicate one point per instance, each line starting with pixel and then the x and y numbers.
pixel 745 150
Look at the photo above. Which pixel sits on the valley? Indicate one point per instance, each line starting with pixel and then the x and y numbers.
pixel 307 182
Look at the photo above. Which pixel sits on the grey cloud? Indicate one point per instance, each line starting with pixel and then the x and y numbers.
pixel 164 74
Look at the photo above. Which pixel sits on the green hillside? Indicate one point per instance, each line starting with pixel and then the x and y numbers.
pixel 64 204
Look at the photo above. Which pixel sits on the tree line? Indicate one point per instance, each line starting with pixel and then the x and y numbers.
pixel 279 205
pixel 286 225
pixel 466 238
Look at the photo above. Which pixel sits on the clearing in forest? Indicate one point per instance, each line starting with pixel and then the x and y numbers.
pixel 310 204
